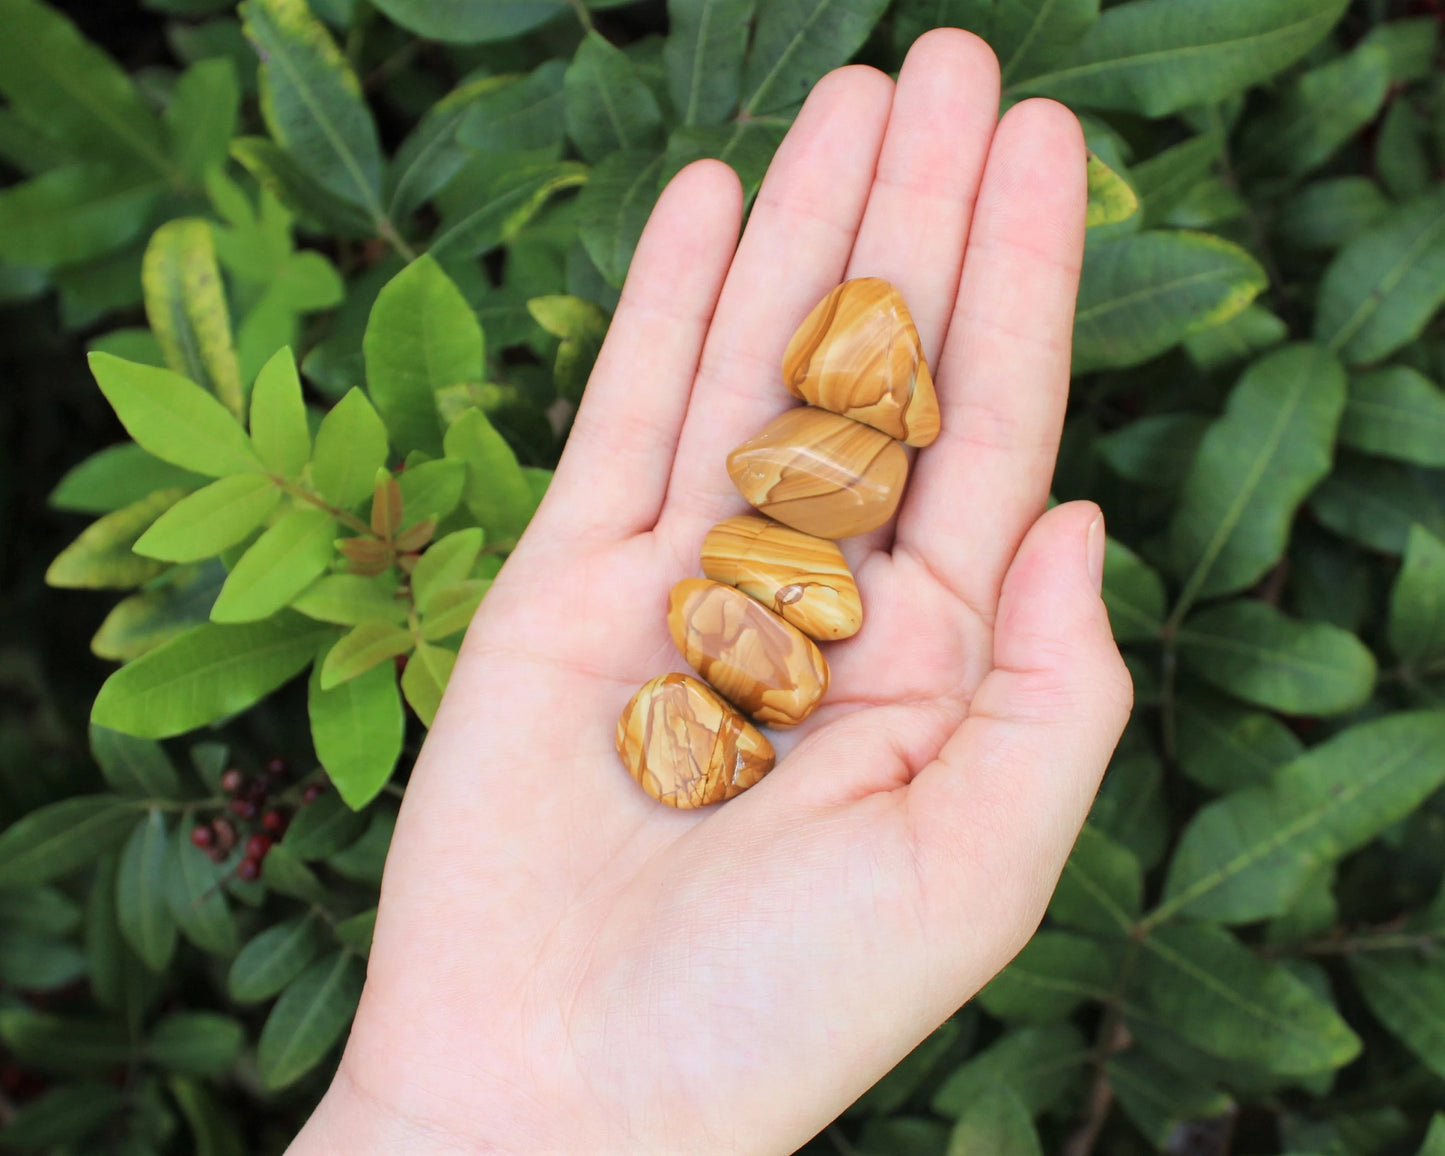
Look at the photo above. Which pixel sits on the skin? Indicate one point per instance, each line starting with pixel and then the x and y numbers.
pixel 561 965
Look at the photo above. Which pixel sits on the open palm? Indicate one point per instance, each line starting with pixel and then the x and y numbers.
pixel 561 964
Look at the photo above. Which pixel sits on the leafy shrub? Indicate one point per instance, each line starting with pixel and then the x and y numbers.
pixel 375 250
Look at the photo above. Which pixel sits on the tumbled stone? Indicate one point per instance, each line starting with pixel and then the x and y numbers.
pixel 821 473
pixel 764 667
pixel 858 354
pixel 802 578
pixel 686 746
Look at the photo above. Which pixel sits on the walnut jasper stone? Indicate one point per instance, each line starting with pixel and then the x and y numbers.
pixel 750 656
pixel 858 354
pixel 686 746
pixel 802 578
pixel 821 473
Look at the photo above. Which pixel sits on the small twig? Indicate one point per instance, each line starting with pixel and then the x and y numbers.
pixel 398 59
pixel 351 521
pixel 1113 1038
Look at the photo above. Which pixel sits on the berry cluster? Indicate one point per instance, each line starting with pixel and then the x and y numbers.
pixel 249 817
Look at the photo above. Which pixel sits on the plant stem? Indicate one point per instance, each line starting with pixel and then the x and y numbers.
pixel 387 232
pixel 351 521
pixel 1112 1038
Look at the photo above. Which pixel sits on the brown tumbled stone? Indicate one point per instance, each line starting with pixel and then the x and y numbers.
pixel 802 578
pixel 686 746
pixel 821 473
pixel 858 354
pixel 766 668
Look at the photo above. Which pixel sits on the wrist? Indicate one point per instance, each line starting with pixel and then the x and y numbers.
pixel 350 1122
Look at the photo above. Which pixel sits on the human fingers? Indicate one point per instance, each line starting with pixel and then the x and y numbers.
pixel 611 479
pixel 794 250
pixel 994 816
pixel 1003 376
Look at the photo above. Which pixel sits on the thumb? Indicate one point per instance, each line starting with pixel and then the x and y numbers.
pixel 996 814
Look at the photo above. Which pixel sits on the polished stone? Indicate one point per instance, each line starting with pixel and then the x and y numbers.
pixel 686 746
pixel 821 473
pixel 802 578
pixel 858 354
pixel 769 670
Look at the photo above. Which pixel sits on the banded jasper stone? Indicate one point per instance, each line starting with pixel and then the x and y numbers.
pixel 686 746
pixel 750 656
pixel 802 578
pixel 858 354
pixel 821 473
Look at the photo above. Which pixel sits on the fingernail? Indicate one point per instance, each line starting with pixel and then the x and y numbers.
pixel 1094 551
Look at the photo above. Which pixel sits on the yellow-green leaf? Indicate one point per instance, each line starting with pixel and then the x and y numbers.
pixel 278 417
pixel 203 524
pixel 1110 198
pixel 103 558
pixel 285 560
pixel 360 649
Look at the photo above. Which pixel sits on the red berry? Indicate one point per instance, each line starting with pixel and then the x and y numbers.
pixel 242 808
pixel 225 834
pixel 249 869
pixel 313 792
pixel 277 767
pixel 257 846
pixel 274 821
pixel 203 837
pixel 256 790
pixel 232 780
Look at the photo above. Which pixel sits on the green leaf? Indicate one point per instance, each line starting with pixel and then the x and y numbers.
pixel 1159 1102
pixel 279 431
pixel 425 679
pixel 523 115
pixel 284 560
pixel 607 104
pixel 1111 200
pixel 117 476
pixel 215 1133
pixel 63 1116
pixel 1402 159
pixel 118 980
pixel 33 962
pixel 581 326
pixel 795 42
pixel 103 556
pixel 1319 113
pixel 62 837
pixel 309 1018
pixel 1376 502
pixel 997 1124
pixel 483 207
pixel 422 337
pixel 1035 35
pixel 363 861
pixel 470 22
pixel 1255 653
pixel 351 446
pixel 431 490
pixel 1249 855
pixel 357 728
pixel 1228 1002
pixel 197 899
pixel 173 418
pixel 1398 413
pixel 1255 466
pixel 1165 179
pixel 43 910
pixel 74 214
pixel 51 1043
pixel 356 932
pixel 274 958
pixel 133 766
pixel 1102 887
pixel 497 491
pixel 1410 44
pixel 203 524
pixel 313 103
pixel 323 828
pixel 1417 602
pixel 350 599
pixel 370 643
pixel 140 895
pixel 747 146
pixel 186 306
pixel 432 154
pixel 447 561
pixel 706 41
pixel 1225 747
pixel 613 208
pixel 207 673
pixel 1327 214
pixel 55 78
pixel 1133 593
pixel 202 115
pixel 1154 451
pixel 1054 973
pixel 1142 294
pixel 174 603
pixel 1241 338
pixel 1159 56
pixel 290 184
pixel 196 1043
pixel 452 608
pixel 1383 287
pixel 1037 1064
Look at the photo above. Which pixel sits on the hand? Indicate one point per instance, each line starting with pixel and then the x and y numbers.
pixel 563 965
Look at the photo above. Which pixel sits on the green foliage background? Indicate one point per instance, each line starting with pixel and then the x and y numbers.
pixel 341 269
